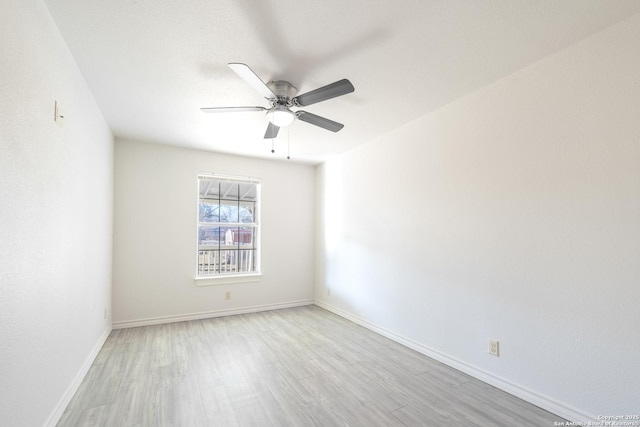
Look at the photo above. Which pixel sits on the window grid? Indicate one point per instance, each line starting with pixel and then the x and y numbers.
pixel 228 227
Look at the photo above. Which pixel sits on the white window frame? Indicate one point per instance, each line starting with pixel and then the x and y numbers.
pixel 229 277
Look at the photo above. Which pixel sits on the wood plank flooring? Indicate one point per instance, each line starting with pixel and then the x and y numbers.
pixel 294 367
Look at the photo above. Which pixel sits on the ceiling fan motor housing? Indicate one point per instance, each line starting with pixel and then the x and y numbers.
pixel 283 90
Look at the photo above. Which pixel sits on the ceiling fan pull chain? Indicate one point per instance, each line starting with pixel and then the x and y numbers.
pixel 272 146
pixel 288 144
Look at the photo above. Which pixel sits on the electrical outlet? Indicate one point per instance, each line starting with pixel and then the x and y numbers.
pixel 105 313
pixel 494 347
pixel 227 296
pixel 328 291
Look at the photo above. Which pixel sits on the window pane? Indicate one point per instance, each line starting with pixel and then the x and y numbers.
pixel 228 236
pixel 246 212
pixel 208 211
pixel 228 261
pixel 229 190
pixel 247 192
pixel 246 261
pixel 245 237
pixel 229 211
pixel 208 236
pixel 208 188
pixel 208 262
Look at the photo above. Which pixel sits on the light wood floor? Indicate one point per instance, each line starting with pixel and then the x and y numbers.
pixel 295 367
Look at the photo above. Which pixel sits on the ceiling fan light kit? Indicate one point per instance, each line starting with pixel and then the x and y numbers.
pixel 280 116
pixel 282 97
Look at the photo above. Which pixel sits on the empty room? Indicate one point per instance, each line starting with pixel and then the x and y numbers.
pixel 298 213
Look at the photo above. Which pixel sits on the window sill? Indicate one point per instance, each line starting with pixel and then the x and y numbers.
pixel 225 280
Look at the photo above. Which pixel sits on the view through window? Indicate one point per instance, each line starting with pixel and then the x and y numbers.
pixel 228 226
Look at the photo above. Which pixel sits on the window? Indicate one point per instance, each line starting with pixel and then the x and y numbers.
pixel 228 226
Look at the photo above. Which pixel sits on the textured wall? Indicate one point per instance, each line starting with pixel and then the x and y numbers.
pixel 512 213
pixel 55 218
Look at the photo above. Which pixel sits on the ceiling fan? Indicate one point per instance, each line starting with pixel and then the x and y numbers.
pixel 282 97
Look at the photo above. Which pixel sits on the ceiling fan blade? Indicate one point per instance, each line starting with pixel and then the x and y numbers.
pixel 252 79
pixel 319 121
pixel 230 109
pixel 339 88
pixel 272 131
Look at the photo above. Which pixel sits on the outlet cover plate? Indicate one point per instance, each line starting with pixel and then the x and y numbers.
pixel 494 347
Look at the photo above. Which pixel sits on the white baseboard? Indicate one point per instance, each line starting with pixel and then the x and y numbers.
pixel 207 314
pixel 562 410
pixel 77 380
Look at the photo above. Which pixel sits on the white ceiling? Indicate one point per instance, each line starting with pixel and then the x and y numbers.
pixel 151 64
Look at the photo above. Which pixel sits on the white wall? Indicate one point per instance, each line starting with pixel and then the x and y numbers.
pixel 55 219
pixel 155 234
pixel 512 213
